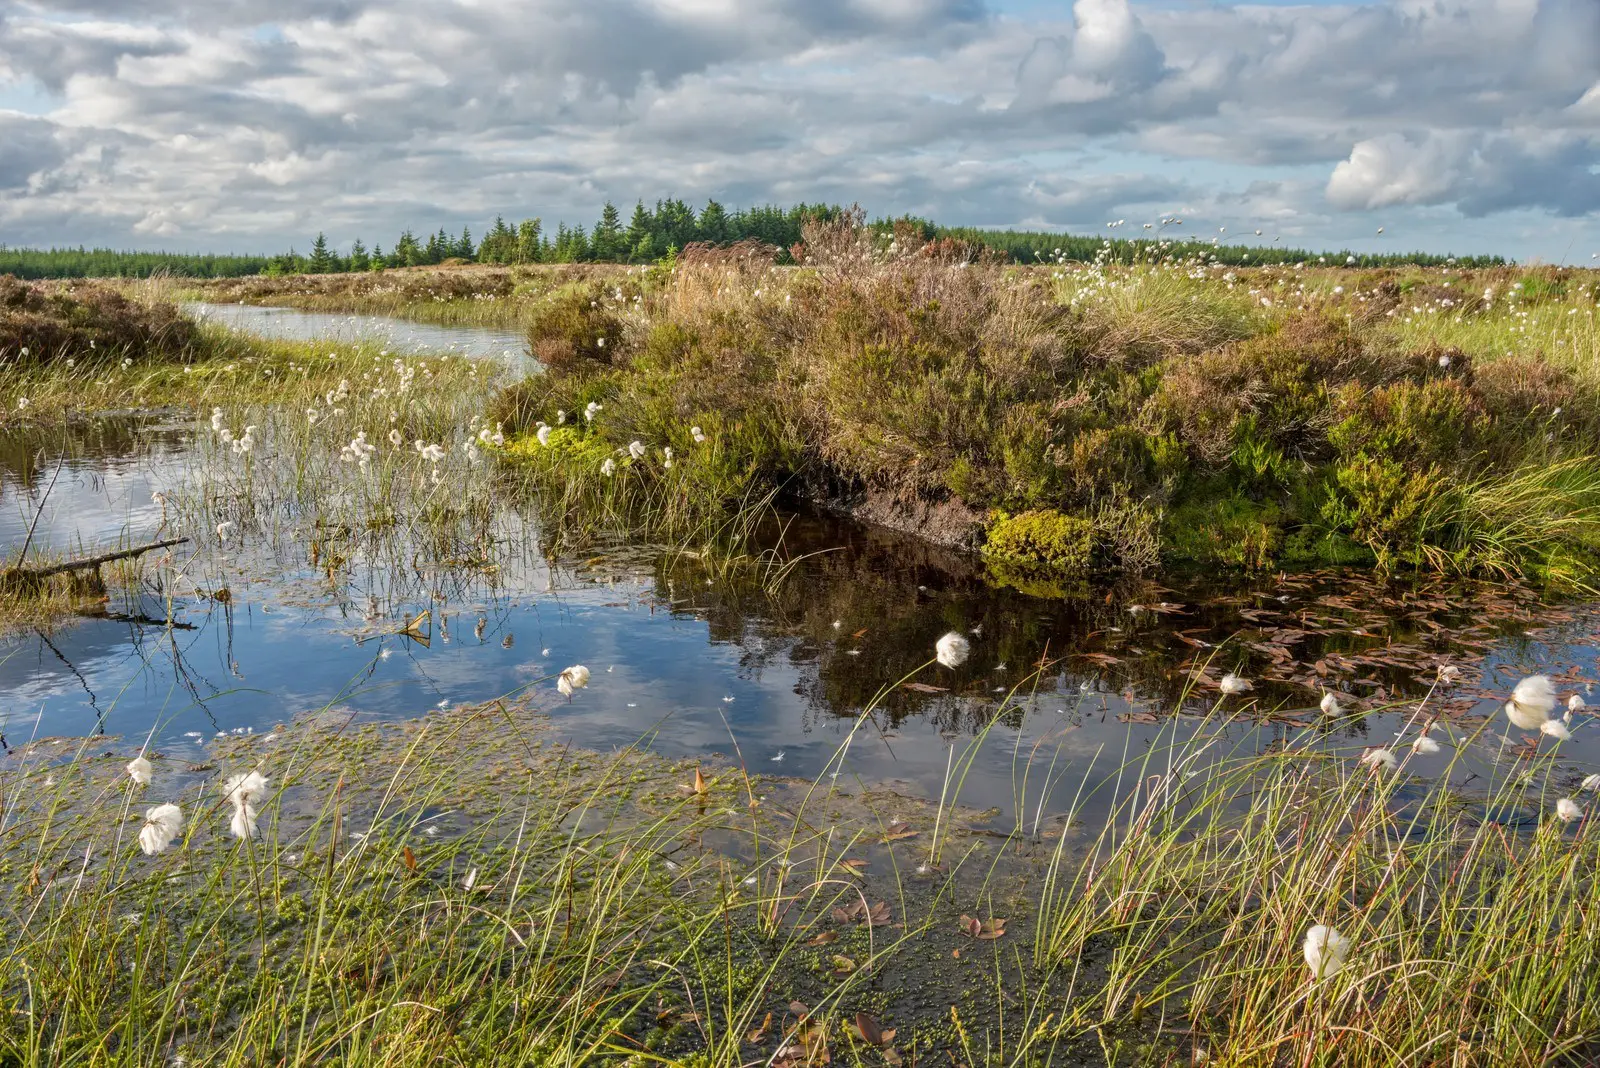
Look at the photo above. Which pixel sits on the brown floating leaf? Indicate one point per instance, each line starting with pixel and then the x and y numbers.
pixel 878 915
pixel 800 1010
pixel 842 965
pixel 855 865
pixel 922 687
pixel 897 830
pixel 409 857
pixel 759 1034
pixel 824 937
pixel 984 930
pixel 868 1029
pixel 860 633
pixel 700 786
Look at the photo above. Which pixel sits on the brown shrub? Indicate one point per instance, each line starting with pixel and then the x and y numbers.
pixel 85 321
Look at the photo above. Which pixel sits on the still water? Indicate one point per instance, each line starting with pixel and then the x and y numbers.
pixel 397 335
pixel 772 663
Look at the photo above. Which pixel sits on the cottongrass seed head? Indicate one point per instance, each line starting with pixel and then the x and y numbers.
pixel 572 679
pixel 140 770
pixel 162 824
pixel 952 650
pixel 1325 950
pixel 1531 702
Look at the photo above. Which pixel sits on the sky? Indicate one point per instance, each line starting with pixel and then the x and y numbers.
pixel 1467 126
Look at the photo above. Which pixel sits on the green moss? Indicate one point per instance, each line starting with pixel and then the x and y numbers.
pixel 1064 542
pixel 1232 531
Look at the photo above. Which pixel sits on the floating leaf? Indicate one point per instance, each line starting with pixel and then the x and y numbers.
pixel 824 937
pixel 759 1035
pixel 922 687
pixel 409 857
pixel 868 1029
pixel 842 965
pixel 896 831
pixel 984 930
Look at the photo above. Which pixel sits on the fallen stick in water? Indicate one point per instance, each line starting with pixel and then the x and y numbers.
pixel 23 576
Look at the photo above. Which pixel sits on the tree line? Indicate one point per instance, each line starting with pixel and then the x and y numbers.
pixel 652 233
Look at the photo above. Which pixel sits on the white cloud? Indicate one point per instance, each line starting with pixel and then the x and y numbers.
pixel 260 123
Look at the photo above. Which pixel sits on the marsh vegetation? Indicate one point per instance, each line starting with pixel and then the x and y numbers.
pixel 1131 817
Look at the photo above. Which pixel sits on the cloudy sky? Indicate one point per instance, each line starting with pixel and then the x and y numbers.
pixel 1457 125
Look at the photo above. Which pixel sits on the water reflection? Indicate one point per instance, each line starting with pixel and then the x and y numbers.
pixel 780 655
pixel 399 336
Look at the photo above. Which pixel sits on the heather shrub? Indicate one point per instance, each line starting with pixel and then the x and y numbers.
pixel 88 322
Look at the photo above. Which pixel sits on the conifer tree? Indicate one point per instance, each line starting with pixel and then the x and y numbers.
pixel 639 228
pixel 358 256
pixel 322 260
pixel 606 244
pixel 714 223
pixel 465 248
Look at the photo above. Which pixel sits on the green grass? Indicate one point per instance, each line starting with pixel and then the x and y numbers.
pixel 577 908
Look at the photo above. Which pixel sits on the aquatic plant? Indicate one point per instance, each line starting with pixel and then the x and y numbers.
pixel 1325 950
pixel 1531 703
pixel 952 650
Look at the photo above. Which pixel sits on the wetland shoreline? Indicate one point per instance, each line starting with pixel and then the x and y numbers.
pixel 1079 845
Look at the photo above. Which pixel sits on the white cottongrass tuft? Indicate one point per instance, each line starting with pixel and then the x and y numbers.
pixel 1568 810
pixel 224 530
pixel 1379 759
pixel 1556 729
pixel 162 824
pixel 1325 950
pixel 572 679
pixel 1531 703
pixel 1233 684
pixel 140 770
pixel 244 791
pixel 1424 746
pixel 608 468
pixel 1590 782
pixel 1575 704
pixel 697 434
pixel 952 650
pixel 543 435
pixel 636 449
pixel 1329 705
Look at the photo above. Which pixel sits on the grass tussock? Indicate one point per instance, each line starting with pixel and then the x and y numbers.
pixel 464 888
pixel 1268 418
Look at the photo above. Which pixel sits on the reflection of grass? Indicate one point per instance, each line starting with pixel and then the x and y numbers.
pixel 463 888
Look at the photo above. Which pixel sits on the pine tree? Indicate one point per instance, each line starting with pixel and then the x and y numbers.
pixel 407 252
pixel 499 244
pixel 377 262
pixel 606 244
pixel 465 248
pixel 322 260
pixel 358 256
pixel 713 223
pixel 638 233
